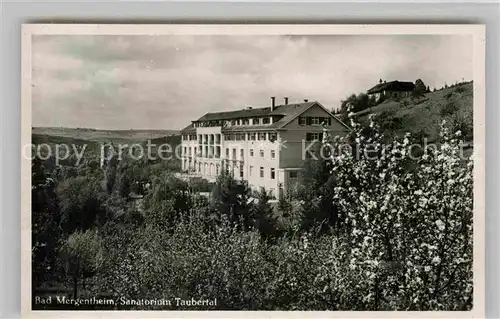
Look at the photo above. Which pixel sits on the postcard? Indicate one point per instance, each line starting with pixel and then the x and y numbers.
pixel 206 170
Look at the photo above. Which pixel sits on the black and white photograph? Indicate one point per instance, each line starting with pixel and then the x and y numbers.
pixel 254 168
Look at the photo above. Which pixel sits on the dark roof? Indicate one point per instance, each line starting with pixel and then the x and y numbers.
pixel 392 86
pixel 253 112
pixel 189 129
pixel 288 112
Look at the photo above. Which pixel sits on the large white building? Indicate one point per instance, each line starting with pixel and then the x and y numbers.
pixel 265 146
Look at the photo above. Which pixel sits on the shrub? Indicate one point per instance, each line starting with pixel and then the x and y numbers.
pixel 448 109
pixel 460 89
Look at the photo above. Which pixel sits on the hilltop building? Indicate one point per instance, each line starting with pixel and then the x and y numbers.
pixel 264 146
pixel 391 90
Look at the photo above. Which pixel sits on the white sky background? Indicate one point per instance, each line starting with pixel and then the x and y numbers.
pixel 164 82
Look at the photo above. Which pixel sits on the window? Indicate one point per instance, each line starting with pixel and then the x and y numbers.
pixel 293 174
pixel 271 193
pixel 227 152
pixel 251 152
pixel 241 171
pixel 234 153
pixel 262 136
pixel 261 153
pixel 233 122
pixel 313 136
pixel 272 137
pixel 246 121
pixel 242 136
pixel 302 120
pixel 185 150
pixel 250 171
pixel 273 153
pixel 262 172
pixel 266 120
pixel 255 121
pixel 241 154
pixel 315 121
pixel 252 136
pixel 273 173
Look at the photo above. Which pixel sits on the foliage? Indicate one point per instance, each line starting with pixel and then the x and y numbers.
pixel 230 198
pixel 362 233
pixel 46 218
pixel 81 201
pixel 410 232
pixel 355 103
pixel 82 253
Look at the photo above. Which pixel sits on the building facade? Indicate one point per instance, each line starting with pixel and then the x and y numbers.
pixel 391 90
pixel 264 146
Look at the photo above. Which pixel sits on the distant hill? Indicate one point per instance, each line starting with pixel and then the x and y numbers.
pixel 103 135
pixel 94 140
pixel 424 115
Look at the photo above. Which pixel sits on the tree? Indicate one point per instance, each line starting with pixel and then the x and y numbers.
pixel 420 89
pixel 81 203
pixel 83 256
pixel 262 214
pixel 408 233
pixel 315 191
pixel 355 103
pixel 168 201
pixel 231 199
pixel 45 221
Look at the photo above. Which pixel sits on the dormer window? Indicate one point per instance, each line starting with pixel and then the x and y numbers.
pixel 246 121
pixel 266 120
pixel 256 121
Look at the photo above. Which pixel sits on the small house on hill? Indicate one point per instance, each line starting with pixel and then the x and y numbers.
pixel 391 90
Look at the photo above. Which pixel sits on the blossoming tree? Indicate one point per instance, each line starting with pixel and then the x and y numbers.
pixel 407 220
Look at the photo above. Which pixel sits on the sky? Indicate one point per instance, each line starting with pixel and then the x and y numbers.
pixel 166 81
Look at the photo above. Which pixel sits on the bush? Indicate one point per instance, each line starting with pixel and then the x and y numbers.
pixel 449 109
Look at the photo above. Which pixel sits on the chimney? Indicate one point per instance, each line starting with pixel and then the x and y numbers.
pixel 273 103
pixel 306 100
pixel 286 100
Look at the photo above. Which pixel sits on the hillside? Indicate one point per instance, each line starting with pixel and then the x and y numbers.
pixel 103 135
pixel 423 116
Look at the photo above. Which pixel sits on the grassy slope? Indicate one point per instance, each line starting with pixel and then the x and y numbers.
pixel 427 113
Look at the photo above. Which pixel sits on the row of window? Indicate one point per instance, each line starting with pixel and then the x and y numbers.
pixel 272 153
pixel 314 120
pixel 190 137
pixel 235 122
pixel 262 136
pixel 192 151
pixel 209 138
pixel 272 172
pixel 253 121
pixel 314 136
